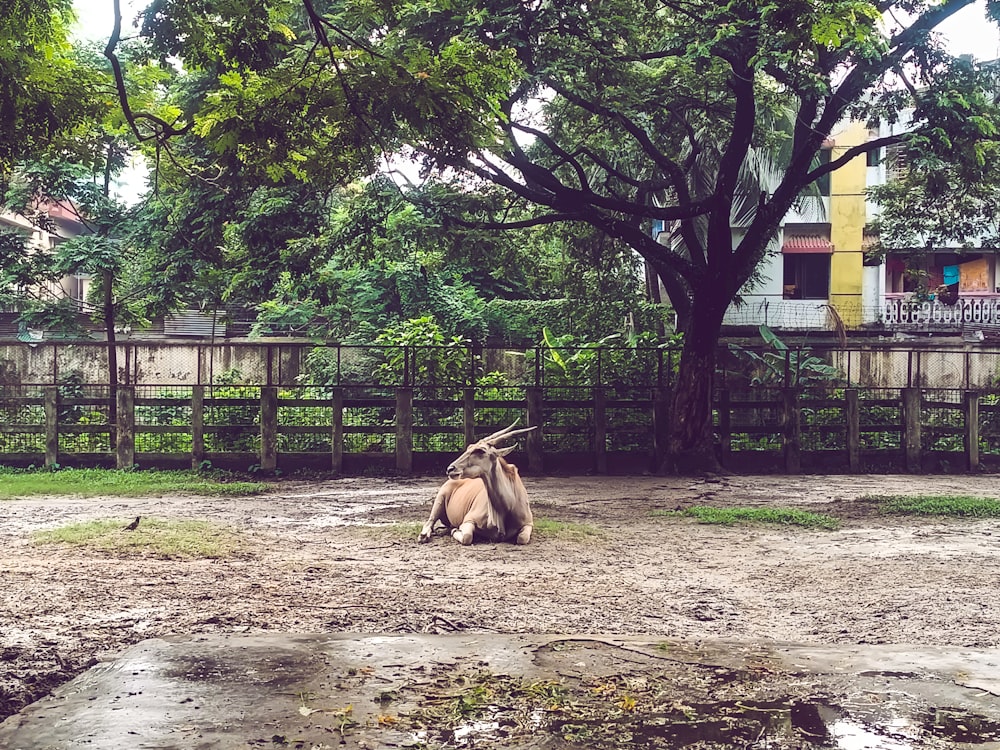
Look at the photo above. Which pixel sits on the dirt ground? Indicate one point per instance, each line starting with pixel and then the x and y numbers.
pixel 330 556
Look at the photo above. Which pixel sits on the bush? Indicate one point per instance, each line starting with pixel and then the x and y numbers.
pixel 520 322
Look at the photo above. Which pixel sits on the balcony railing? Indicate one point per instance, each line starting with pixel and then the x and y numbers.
pixel 907 312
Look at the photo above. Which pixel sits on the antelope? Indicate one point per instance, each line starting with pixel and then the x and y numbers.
pixel 483 497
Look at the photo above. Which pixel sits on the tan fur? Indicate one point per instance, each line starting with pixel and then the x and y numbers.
pixel 483 499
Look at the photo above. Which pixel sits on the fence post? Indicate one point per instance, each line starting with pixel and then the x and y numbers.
pixel 125 427
pixel 911 429
pixel 661 425
pixel 725 426
pixel 469 415
pixel 337 438
pixel 972 430
pixel 600 430
pixel 404 430
pixel 791 430
pixel 268 426
pixel 852 416
pixel 51 396
pixel 535 398
pixel 197 424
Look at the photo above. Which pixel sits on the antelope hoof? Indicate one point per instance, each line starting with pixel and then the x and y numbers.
pixel 425 536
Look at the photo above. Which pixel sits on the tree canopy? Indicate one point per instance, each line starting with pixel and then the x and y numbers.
pixel 48 91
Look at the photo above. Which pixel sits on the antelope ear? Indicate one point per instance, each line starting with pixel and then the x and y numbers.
pixel 505 451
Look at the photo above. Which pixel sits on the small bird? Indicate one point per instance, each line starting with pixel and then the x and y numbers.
pixel 134 525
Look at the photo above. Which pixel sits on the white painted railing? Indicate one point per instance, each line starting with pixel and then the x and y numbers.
pixel 907 311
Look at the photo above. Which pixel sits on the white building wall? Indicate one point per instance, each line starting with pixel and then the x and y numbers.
pixel 764 303
pixel 872 293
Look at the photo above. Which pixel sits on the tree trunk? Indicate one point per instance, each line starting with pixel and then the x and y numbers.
pixel 690 439
pixel 108 313
pixel 690 442
pixel 109 328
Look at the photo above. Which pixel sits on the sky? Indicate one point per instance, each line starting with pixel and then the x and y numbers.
pixel 967 31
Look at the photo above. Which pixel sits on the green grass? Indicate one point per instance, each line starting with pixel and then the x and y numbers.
pixel 113 483
pixel 733 516
pixel 565 530
pixel 153 538
pixel 937 505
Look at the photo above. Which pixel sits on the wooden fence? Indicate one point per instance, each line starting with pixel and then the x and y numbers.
pixel 599 429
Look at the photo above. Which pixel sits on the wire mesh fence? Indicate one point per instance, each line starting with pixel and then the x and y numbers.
pixel 162 419
pixel 171 365
pixel 203 402
pixel 22 406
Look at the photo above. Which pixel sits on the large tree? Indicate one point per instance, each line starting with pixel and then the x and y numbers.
pixel 46 90
pixel 614 114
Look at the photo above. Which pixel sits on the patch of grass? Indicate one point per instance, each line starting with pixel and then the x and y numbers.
pixel 733 516
pixel 118 483
pixel 937 505
pixel 566 530
pixel 165 539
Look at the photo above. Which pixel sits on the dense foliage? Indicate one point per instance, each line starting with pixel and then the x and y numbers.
pixel 47 89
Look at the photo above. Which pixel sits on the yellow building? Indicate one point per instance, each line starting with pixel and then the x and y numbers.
pixel 847 224
pixel 816 278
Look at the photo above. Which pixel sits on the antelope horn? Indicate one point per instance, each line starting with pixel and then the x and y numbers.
pixel 506 433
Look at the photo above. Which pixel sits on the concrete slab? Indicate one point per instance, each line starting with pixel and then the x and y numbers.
pixel 516 691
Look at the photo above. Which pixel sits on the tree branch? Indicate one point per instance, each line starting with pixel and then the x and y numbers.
pixel 852 152
pixel 673 170
pixel 162 130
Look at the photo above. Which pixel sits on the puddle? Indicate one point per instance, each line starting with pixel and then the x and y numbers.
pixel 852 735
pixel 273 668
pixel 788 724
pixel 720 726
pixel 958 725
pixel 418 691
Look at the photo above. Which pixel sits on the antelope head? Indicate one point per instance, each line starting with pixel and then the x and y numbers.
pixel 480 457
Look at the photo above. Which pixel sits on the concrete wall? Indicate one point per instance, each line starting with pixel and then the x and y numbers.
pixel 159 363
pixel 926 363
pixel 958 367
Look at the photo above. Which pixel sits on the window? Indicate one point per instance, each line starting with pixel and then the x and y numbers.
pixel 806 276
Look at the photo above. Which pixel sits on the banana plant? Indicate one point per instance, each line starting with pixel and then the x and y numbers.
pixel 769 367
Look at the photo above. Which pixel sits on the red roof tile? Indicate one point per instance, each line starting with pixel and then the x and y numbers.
pixel 806 243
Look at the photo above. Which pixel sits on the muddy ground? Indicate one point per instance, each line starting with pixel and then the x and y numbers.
pixel 329 556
